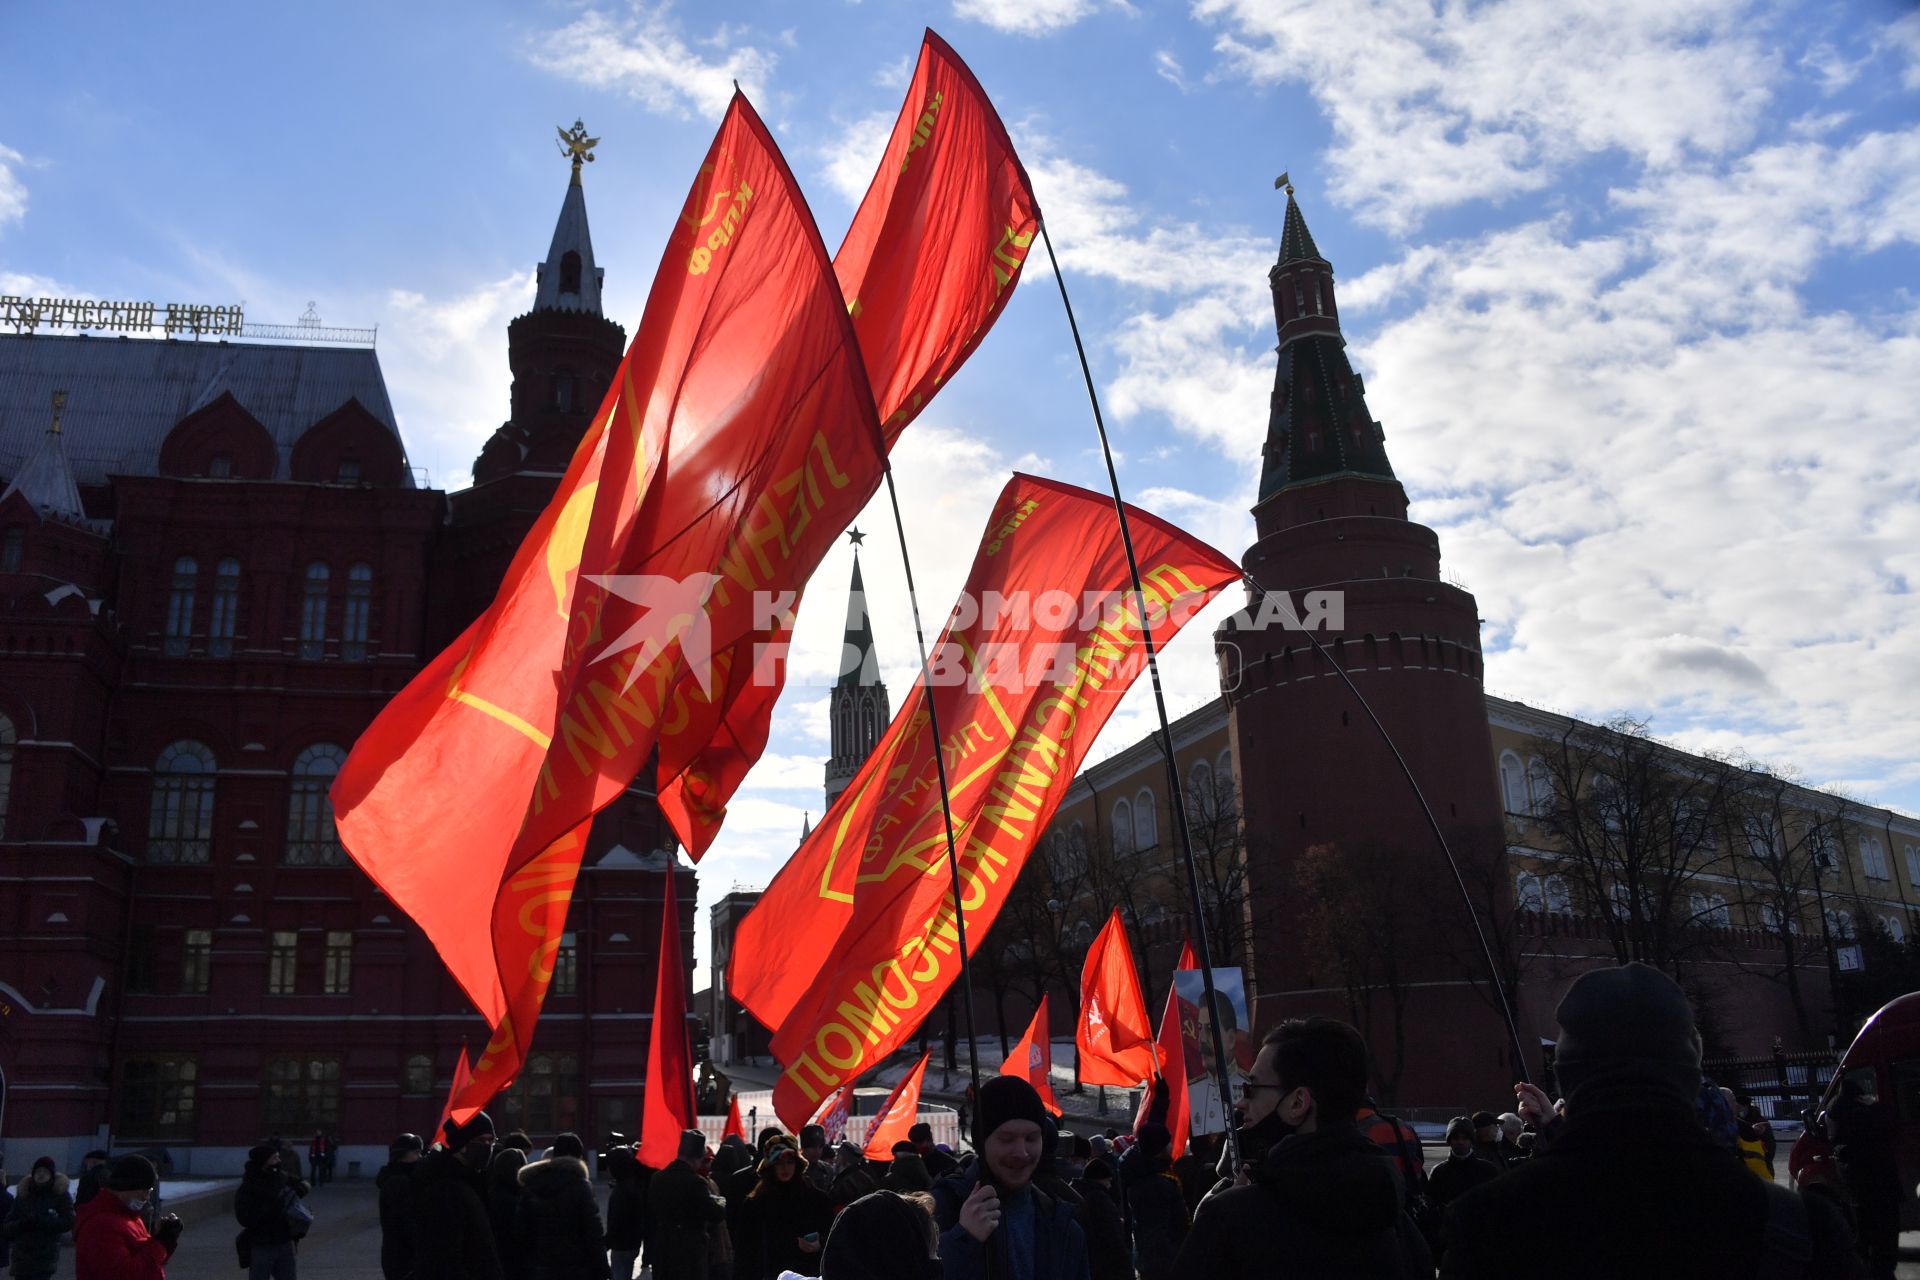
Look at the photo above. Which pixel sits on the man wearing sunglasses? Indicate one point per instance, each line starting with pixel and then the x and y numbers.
pixel 1322 1199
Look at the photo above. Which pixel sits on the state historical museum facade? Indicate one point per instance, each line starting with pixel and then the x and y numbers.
pixel 215 568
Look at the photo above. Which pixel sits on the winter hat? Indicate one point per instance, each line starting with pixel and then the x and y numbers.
pixel 458 1135
pixel 96 1154
pixel 880 1236
pixel 1485 1120
pixel 812 1136
pixel 44 1162
pixel 404 1143
pixel 848 1149
pixel 569 1144
pixel 519 1141
pixel 784 1144
pixel 767 1135
pixel 1631 1025
pixel 1098 1170
pixel 1005 1098
pixel 260 1153
pixel 1459 1127
pixel 131 1173
pixel 1155 1139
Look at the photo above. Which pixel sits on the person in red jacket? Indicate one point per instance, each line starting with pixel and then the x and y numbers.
pixel 109 1237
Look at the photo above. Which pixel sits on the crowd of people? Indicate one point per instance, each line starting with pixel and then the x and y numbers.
pixel 1641 1169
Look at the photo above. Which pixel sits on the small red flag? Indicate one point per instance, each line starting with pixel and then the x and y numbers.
pixel 1114 1036
pixel 857 939
pixel 898 1113
pixel 1173 1064
pixel 927 266
pixel 1032 1058
pixel 833 1117
pixel 462 1073
pixel 736 1126
pixel 668 1108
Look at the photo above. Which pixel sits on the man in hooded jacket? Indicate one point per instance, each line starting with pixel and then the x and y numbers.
pixel 453 1238
pixel 1324 1201
pixel 1632 1184
pixel 559 1216
pixel 42 1212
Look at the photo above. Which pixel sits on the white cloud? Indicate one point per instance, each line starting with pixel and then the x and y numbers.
pixel 1168 68
pixel 445 361
pixel 1904 38
pixel 895 75
pixel 13 192
pixel 1024 17
pixel 645 56
pixel 1432 105
pixel 852 157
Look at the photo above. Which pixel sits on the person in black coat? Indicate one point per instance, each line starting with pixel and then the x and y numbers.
pixel 93 1176
pixel 1630 1183
pixel 1463 1169
pixel 680 1209
pixel 261 1206
pixel 939 1163
pixel 1108 1257
pixel 42 1212
pixel 503 1209
pixel 1324 1200
pixel 787 1217
pixel 1155 1202
pixel 626 1211
pixel 395 1186
pixel 1862 1129
pixel 995 1206
pixel 559 1216
pixel 453 1237
pixel 882 1236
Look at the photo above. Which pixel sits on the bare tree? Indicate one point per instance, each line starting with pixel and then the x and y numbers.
pixel 1219 853
pixel 1636 825
pixel 1361 919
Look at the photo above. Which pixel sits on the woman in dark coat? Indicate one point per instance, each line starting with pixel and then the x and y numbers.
pixel 503 1207
pixel 42 1213
pixel 559 1218
pixel 788 1218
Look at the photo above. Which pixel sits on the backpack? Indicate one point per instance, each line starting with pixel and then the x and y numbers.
pixel 1426 1215
pixel 1718 1118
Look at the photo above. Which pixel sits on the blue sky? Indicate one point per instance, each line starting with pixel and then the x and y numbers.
pixel 1633 287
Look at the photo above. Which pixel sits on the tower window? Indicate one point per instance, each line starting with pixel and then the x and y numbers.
pixel 570 272
pixel 313 613
pixel 226 608
pixel 220 466
pixel 563 385
pixel 349 472
pixel 180 819
pixel 312 838
pixel 186 575
pixel 359 613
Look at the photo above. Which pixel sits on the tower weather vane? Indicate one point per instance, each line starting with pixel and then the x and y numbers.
pixel 574 142
pixel 1284 180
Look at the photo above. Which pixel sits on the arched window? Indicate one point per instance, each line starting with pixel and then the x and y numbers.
pixel 186 576
pixel 180 821
pixel 1895 929
pixel 1760 841
pixel 313 612
pixel 1718 912
pixel 1513 782
pixel 1539 787
pixel 1528 893
pixel 1123 828
pixel 7 740
pixel 1146 825
pixel 545 1098
pixel 1913 864
pixel 312 839
pixel 1840 924
pixel 1202 803
pixel 1559 900
pixel 869 723
pixel 1620 902
pixel 562 383
pixel 355 621
pixel 226 608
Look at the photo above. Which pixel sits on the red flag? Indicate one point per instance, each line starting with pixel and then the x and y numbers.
pixel 1113 1037
pixel 736 1127
pixel 667 1110
pixel 1032 1058
pixel 855 940
pixel 740 407
pixel 898 1113
pixel 926 268
pixel 833 1117
pixel 1173 1064
pixel 462 1073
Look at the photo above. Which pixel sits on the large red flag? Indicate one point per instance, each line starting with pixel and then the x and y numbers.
pixel 898 1113
pixel 1032 1058
pixel 926 268
pixel 855 940
pixel 462 1074
pixel 1114 1036
pixel 736 1127
pixel 739 413
pixel 1173 1064
pixel 668 1108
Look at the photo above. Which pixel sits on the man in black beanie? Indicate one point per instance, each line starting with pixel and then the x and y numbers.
pixel 1631 1184
pixel 453 1235
pixel 110 1238
pixel 994 1219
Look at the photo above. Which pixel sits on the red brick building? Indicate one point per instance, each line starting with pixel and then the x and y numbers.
pixel 215 567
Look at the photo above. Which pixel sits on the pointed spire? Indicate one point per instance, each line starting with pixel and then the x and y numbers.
pixel 568 280
pixel 806 825
pixel 1296 242
pixel 859 633
pixel 46 481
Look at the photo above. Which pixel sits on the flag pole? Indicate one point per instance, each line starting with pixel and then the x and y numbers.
pixel 1160 706
pixel 946 804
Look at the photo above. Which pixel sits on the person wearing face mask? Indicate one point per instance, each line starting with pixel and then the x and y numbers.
pixel 110 1237
pixel 1323 1200
pixel 42 1213
pixel 269 1222
pixel 1463 1169
pixel 453 1236
pixel 994 1220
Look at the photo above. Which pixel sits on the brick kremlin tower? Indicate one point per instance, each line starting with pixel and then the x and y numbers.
pixel 857 708
pixel 1331 516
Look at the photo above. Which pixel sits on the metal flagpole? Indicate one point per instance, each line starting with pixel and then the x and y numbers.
pixel 946 804
pixel 1160 705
